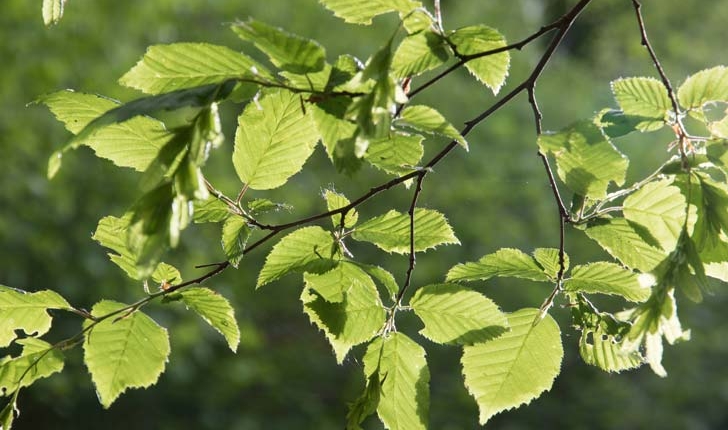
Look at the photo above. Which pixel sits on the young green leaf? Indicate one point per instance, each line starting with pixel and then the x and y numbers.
pixel 235 234
pixel 166 68
pixel 52 12
pixel 274 139
pixel 362 12
pixel 366 404
pixel 355 318
pixel 625 242
pixel 609 278
pixel 384 277
pixel 333 284
pixel 491 70
pixel 549 260
pixel 586 160
pixel 338 134
pixel 391 231
pixel 20 310
pixel 710 85
pixel 8 414
pixel 166 274
pixel 210 210
pixel 515 368
pixel 216 311
pixel 505 262
pixel 397 154
pixel 454 314
pixel 615 123
pixel 402 369
pixel 419 53
pixel 660 208
pixel 287 51
pixel 37 360
pixel 310 249
pixel 428 120
pixel 643 97
pixel 122 353
pixel 335 201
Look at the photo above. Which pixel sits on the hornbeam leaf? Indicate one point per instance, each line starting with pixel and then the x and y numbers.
pixel 310 249
pixel 586 160
pixel 335 201
pixel 397 154
pixel 419 53
pixel 457 315
pixel 355 318
pixel 334 284
pixel 515 368
pixel 337 133
pixel 362 12
pixel 37 360
pixel 491 70
pixel 287 51
pixel 625 242
pixel 52 12
pixel 402 369
pixel 710 85
pixel 216 311
pixel 166 68
pixel 210 210
pixel 608 278
pixel 506 262
pixel 391 231
pixel 660 208
pixel 366 404
pixel 8 414
pixel 20 310
pixel 428 120
pixel 128 351
pixel 235 234
pixel 549 260
pixel 644 97
pixel 274 139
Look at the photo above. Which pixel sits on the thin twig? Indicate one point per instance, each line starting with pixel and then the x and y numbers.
pixel 412 258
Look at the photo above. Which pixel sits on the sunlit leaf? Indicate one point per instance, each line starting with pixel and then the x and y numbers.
pixel 37 360
pixel 491 70
pixel 505 262
pixel 216 311
pixel 549 260
pixel 397 154
pixel 608 278
pixel 20 310
pixel 643 97
pixel 419 53
pixel 362 12
pixel 626 243
pixel 335 201
pixel 428 120
pixel 210 210
pixel 338 134
pixel 235 234
pixel 391 231
pixel 709 85
pixel 660 208
pixel 366 404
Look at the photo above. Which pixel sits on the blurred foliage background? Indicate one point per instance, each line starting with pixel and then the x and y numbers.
pixel 284 375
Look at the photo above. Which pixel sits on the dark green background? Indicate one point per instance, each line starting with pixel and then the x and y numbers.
pixel 284 375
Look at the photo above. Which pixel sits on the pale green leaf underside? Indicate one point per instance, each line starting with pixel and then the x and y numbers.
pixel 428 120
pixel 354 319
pixel 166 68
pixel 585 160
pixel 405 393
pixel 362 12
pixel 457 315
pixel 492 70
pixel 625 243
pixel 645 97
pixel 35 362
pixel 607 278
pixel 706 86
pixel 235 233
pixel 306 249
pixel 28 312
pixel 274 139
pixel 419 53
pixel 506 262
pixel 660 209
pixel 391 231
pixel 216 311
pixel 130 352
pixel 397 154
pixel 515 368
pixel 52 12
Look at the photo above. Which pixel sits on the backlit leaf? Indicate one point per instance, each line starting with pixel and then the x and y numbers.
pixel 235 234
pixel 660 208
pixel 643 97
pixel 20 310
pixel 335 201
pixel 37 360
pixel 215 310
pixel 710 85
pixel 608 278
pixel 210 210
pixel 491 70
pixel 338 134
pixel 505 262
pixel 626 243
pixel 366 404
pixel 391 231
pixel 397 154
pixel 419 53
pixel 549 260
pixel 428 120
pixel 362 12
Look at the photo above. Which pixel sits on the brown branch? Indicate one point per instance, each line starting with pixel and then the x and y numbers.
pixel 412 258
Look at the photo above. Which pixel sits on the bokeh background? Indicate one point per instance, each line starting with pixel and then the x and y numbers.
pixel 284 375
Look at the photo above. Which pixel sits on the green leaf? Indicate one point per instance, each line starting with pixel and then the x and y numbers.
pixel 52 14
pixel 166 274
pixel 397 154
pixel 615 123
pixel 428 120
pixel 419 53
pixel 127 351
pixel 454 314
pixel 586 160
pixel 262 206
pixel 384 277
pixel 402 369
pixel 335 201
pixel 709 85
pixel 210 210
pixel 626 242
pixel 8 414
pixel 20 310
pixel 235 234
pixel 37 360
pixel 337 133
pixel 515 368
pixel 356 317
pixel 287 51
pixel 506 262
pixel 274 139
pixel 366 404
pixel 134 143
pixel 643 97
pixel 391 231
pixel 362 12
pixel 216 311
pixel 491 70
pixel 660 208
pixel 310 249
pixel 609 278
pixel 548 259
pixel 166 68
